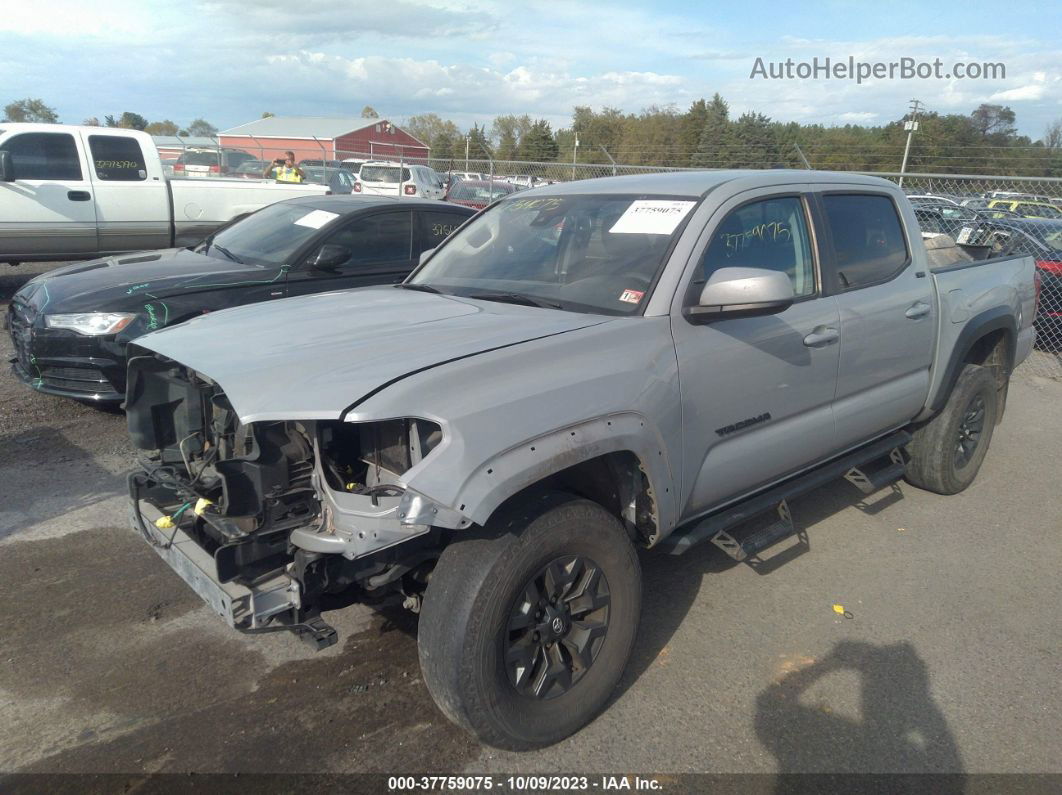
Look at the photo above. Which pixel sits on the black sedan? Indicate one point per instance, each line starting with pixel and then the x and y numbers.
pixel 70 327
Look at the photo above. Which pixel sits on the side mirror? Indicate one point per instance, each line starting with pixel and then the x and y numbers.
pixel 330 257
pixel 424 255
pixel 7 169
pixel 741 292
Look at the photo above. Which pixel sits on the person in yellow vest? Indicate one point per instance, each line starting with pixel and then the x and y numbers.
pixel 285 170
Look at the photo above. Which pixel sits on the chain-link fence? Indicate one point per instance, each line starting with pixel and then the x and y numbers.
pixel 990 215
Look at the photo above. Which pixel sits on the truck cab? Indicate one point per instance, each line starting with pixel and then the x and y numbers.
pixel 72 192
pixel 75 192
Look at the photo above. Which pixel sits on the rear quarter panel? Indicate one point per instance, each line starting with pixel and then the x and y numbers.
pixel 976 298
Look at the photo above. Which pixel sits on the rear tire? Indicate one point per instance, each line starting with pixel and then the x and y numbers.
pixel 946 452
pixel 502 660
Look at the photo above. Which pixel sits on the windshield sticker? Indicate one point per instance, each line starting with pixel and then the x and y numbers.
pixel 316 219
pixel 632 296
pixel 651 217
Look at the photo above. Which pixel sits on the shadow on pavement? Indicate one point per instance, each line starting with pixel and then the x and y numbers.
pixel 670 584
pixel 68 477
pixel 901 729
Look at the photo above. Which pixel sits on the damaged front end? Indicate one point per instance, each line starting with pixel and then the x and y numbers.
pixel 272 521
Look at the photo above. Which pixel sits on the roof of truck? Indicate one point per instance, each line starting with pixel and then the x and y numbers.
pixel 697 183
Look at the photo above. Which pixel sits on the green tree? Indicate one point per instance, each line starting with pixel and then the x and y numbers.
pixel 715 146
pixel 994 120
pixel 427 127
pixel 538 144
pixel 478 145
pixel 30 110
pixel 448 144
pixel 369 112
pixel 267 115
pixel 165 127
pixel 131 121
pixel 507 132
pixel 756 145
pixel 692 126
pixel 91 121
pixel 200 128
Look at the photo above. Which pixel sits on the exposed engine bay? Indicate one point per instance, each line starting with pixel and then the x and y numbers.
pixel 297 510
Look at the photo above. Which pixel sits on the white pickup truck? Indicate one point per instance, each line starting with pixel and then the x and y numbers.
pixel 69 192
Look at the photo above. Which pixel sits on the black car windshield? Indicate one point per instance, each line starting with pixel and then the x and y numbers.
pixel 271 235
pixel 583 253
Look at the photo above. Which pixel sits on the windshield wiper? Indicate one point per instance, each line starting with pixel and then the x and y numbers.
pixel 424 288
pixel 515 298
pixel 227 253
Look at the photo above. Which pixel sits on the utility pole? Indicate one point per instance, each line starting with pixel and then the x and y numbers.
pixel 466 153
pixel 911 125
pixel 613 162
pixel 575 152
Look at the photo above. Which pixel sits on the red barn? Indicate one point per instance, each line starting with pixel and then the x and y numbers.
pixel 316 138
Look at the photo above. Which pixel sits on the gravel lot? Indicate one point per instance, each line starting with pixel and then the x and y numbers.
pixel 950 662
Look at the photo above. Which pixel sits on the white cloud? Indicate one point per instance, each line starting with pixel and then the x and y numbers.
pixel 858 117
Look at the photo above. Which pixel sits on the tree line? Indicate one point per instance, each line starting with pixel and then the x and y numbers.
pixel 35 110
pixel 706 135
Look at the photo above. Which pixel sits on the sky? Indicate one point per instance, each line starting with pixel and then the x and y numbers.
pixel 229 60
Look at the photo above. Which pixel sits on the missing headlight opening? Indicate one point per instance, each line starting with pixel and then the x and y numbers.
pixel 318 506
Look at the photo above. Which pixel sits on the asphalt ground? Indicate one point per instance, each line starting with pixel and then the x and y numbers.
pixel 949 661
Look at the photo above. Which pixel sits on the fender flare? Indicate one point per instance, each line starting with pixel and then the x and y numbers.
pixel 511 471
pixel 1001 317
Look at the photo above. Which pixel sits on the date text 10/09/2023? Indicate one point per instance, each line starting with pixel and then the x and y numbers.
pixel 472 783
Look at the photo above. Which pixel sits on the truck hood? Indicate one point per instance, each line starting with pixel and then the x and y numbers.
pixel 314 356
pixel 114 284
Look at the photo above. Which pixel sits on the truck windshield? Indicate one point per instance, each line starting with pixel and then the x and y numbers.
pixel 271 235
pixel 582 253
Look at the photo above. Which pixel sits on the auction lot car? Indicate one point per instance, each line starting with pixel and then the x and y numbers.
pixel 70 192
pixel 382 178
pixel 579 370
pixel 70 326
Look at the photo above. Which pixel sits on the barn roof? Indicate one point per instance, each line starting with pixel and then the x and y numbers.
pixel 320 127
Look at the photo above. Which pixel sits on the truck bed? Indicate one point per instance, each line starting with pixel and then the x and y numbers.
pixel 976 296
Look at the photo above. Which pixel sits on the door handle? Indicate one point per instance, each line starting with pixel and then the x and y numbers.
pixel 918 310
pixel 820 336
pixel 78 195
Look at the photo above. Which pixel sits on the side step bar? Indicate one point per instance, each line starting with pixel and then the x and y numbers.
pixel 854 466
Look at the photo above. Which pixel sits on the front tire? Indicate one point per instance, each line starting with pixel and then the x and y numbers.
pixel 946 453
pixel 526 628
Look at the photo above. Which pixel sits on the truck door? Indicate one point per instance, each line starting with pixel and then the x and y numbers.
pixel 888 314
pixel 48 210
pixel 756 392
pixel 132 204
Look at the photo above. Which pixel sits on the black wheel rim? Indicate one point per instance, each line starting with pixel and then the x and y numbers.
pixel 971 427
pixel 556 627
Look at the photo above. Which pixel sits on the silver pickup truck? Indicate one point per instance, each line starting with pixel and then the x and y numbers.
pixel 579 372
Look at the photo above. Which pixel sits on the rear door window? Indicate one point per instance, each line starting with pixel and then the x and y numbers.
pixel 436 226
pixel 117 158
pixel 44 156
pixel 868 243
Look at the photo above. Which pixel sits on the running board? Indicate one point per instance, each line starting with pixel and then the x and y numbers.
pixel 715 526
